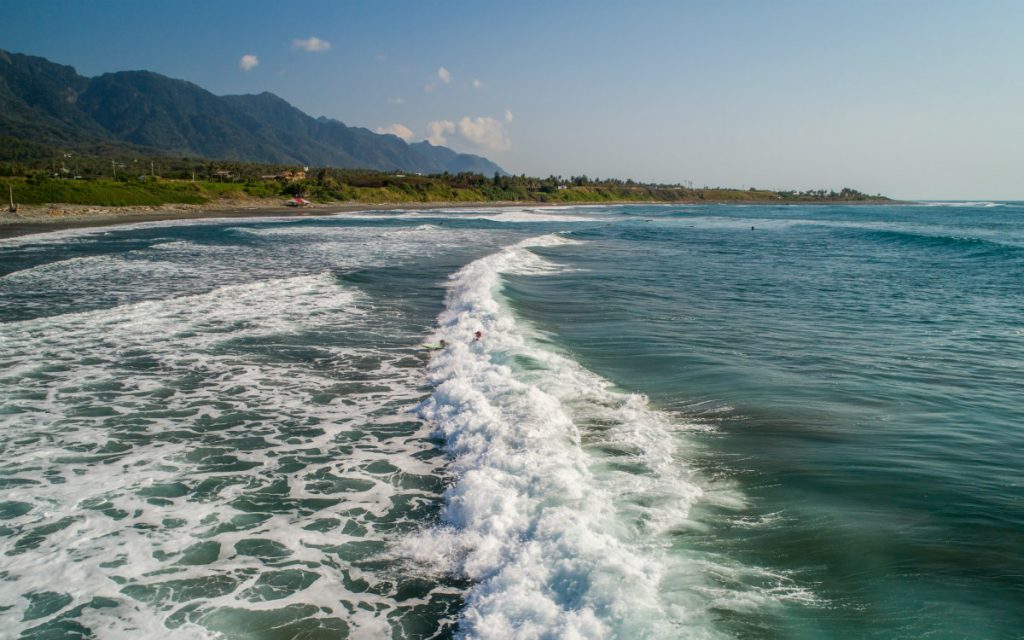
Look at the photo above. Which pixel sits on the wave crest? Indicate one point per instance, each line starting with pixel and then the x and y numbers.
pixel 562 484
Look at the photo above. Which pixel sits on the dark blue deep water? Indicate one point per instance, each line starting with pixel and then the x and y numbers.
pixel 682 421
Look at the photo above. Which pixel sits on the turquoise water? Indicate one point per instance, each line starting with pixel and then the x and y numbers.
pixel 682 421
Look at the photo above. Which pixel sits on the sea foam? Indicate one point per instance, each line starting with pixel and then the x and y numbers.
pixel 179 476
pixel 564 488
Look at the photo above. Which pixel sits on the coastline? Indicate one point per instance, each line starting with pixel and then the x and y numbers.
pixel 36 219
pixel 44 219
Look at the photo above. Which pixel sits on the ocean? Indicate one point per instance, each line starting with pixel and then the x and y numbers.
pixel 680 421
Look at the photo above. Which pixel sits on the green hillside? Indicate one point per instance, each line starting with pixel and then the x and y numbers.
pixel 144 113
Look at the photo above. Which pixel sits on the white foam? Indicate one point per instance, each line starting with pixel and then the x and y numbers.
pixel 561 538
pixel 83 362
pixel 58 266
pixel 494 214
pixel 63 235
pixel 982 204
pixel 536 216
pixel 170 268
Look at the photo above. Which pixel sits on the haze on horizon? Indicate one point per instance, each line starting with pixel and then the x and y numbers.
pixel 912 99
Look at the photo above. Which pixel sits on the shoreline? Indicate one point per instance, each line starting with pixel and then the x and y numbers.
pixel 36 219
pixel 44 219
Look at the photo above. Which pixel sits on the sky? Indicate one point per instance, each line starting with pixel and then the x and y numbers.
pixel 911 99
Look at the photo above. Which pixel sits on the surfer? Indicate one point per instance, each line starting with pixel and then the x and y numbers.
pixel 476 336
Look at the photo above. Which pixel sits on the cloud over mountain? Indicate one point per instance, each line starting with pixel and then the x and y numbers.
pixel 485 132
pixel 438 130
pixel 248 62
pixel 397 129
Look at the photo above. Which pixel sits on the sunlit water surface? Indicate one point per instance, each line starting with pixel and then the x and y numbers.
pixel 682 421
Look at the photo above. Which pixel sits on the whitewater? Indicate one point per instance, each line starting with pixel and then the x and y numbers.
pixel 671 425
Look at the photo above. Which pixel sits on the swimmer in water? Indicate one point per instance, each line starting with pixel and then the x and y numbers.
pixel 477 336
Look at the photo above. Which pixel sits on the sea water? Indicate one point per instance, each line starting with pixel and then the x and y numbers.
pixel 680 421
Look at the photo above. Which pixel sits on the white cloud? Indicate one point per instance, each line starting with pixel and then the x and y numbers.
pixel 485 132
pixel 438 129
pixel 396 100
pixel 428 87
pixel 397 129
pixel 477 84
pixel 311 44
pixel 508 116
pixel 248 62
pixel 444 75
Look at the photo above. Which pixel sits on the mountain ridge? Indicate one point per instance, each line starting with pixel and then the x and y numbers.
pixel 47 103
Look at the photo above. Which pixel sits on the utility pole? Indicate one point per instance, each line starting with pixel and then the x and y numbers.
pixel 152 171
pixel 113 164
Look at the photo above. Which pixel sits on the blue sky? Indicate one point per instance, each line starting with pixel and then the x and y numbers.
pixel 909 98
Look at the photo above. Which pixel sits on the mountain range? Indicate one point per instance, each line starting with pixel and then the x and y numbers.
pixel 48 105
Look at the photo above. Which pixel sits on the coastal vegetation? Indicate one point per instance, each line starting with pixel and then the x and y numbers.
pixel 153 181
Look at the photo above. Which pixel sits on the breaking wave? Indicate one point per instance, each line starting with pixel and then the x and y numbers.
pixel 567 492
